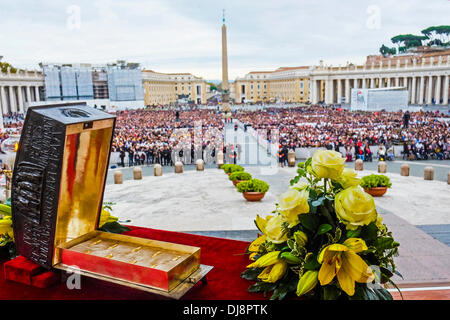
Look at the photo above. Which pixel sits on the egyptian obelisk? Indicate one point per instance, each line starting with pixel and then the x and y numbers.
pixel 225 84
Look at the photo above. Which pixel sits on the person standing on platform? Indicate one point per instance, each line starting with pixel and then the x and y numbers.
pixel 130 157
pixel 122 157
pixel 406 118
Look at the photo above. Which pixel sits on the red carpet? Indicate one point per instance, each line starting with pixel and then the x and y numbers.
pixel 224 281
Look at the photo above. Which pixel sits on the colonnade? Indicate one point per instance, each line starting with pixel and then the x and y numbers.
pixel 427 82
pixel 14 97
pixel 424 89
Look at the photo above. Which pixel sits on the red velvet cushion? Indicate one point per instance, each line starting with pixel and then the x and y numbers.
pixel 45 280
pixel 21 270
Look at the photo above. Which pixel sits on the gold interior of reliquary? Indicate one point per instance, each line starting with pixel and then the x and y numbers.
pixel 138 254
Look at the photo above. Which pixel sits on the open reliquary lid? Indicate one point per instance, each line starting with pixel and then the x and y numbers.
pixel 59 177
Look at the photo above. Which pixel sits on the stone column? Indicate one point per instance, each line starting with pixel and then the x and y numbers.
pixel 4 102
pixel 413 90
pixel 363 85
pixel 347 90
pixel 437 92
pixel 429 89
pixel 397 81
pixel 405 82
pixel 28 95
pixel 12 102
pixel 36 93
pixel 445 95
pixel 314 92
pixel 380 82
pixel 421 89
pixel 328 91
pixel 20 99
pixel 339 90
pixel 372 83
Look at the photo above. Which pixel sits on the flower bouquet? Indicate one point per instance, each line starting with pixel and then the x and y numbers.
pixel 324 240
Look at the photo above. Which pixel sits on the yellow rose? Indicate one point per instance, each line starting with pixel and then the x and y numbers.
pixel 354 207
pixel 299 186
pixel 349 178
pixel 327 164
pixel 292 203
pixel 272 228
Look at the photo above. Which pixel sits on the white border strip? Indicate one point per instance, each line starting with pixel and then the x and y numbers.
pixel 419 289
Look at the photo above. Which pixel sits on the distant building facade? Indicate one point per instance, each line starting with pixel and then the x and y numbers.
pixel 424 73
pixel 173 88
pixel 286 84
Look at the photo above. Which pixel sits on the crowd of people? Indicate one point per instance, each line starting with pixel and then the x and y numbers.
pixel 425 135
pixel 166 136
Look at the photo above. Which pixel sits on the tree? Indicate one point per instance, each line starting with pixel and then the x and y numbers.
pixel 408 40
pixel 385 50
pixel 441 33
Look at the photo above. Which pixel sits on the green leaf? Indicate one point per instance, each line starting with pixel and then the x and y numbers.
pixel 318 202
pixel 114 227
pixel 311 263
pixel 309 221
pixel 385 243
pixel 398 273
pixel 330 292
pixel 369 232
pixel 262 287
pixel 396 287
pixel 308 162
pixel 353 233
pixel 323 228
pixel 362 292
pixel 251 274
pixel 291 244
pixel 385 275
pixel 383 294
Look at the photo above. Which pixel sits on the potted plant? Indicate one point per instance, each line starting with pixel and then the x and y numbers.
pixel 253 190
pixel 375 184
pixel 233 168
pixel 239 176
pixel 225 167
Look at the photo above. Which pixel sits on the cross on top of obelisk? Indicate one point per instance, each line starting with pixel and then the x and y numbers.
pixel 223 15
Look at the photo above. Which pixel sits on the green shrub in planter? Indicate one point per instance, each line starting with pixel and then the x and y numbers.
pixel 375 180
pixel 240 175
pixel 225 166
pixel 253 185
pixel 233 168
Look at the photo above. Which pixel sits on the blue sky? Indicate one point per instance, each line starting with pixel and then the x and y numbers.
pixel 185 36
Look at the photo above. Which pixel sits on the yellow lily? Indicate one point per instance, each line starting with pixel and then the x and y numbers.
pixel 6 226
pixel 253 248
pixel 274 268
pixel 341 260
pixel 307 282
pixel 271 226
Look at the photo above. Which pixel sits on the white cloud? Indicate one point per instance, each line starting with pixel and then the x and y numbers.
pixel 185 36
